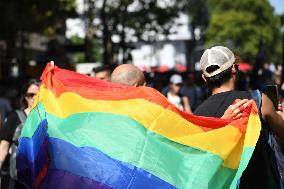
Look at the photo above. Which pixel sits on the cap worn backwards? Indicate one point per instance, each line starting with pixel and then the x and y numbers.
pixel 216 60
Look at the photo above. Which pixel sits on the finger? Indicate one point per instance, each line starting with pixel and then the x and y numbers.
pixel 247 103
pixel 280 107
pixel 236 111
pixel 237 100
pixel 280 113
pixel 238 116
pixel 239 103
pixel 52 64
pixel 230 108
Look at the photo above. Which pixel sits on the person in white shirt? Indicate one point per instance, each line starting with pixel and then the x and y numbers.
pixel 174 96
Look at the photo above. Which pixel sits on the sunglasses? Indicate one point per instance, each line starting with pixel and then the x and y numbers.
pixel 179 84
pixel 30 95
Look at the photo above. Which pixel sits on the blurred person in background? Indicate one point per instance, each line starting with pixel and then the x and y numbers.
pixel 194 90
pixel 11 130
pixel 189 90
pixel 201 90
pixel 278 81
pixel 5 106
pixel 175 96
pixel 103 73
pixel 265 77
pixel 243 81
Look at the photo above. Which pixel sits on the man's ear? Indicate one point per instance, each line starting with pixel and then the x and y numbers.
pixel 204 78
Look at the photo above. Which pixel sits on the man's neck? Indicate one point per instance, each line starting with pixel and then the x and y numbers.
pixel 229 86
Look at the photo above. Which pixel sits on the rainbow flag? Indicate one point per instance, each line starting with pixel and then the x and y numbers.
pixel 85 133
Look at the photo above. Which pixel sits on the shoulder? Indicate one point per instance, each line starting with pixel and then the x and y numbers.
pixel 9 126
pixel 13 117
pixel 202 109
pixel 241 94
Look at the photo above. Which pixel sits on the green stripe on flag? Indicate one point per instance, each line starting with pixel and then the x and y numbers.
pixel 125 139
pixel 33 120
pixel 246 155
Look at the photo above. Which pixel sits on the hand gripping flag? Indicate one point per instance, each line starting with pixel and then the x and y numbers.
pixel 85 133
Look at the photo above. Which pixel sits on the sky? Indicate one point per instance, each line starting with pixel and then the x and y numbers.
pixel 278 5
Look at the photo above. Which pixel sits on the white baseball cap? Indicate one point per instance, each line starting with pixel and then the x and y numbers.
pixel 176 79
pixel 220 57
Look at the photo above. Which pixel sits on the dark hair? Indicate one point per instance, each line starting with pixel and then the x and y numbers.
pixel 102 68
pixel 219 79
pixel 24 90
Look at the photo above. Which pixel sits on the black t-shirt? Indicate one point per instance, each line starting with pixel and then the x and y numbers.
pixel 259 171
pixel 9 128
pixel 217 104
pixel 5 107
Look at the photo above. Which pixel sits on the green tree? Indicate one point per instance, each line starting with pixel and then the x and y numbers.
pixel 243 25
pixel 19 18
pixel 199 14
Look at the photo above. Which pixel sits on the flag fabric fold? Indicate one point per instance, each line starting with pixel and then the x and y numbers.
pixel 86 133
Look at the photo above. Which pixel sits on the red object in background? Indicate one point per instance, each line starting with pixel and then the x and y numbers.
pixel 143 68
pixel 244 67
pixel 163 68
pixel 181 68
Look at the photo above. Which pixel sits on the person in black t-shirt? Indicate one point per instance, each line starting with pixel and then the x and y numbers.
pixel 9 127
pixel 220 72
pixel 13 121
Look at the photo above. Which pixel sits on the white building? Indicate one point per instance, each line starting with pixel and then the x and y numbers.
pixel 165 52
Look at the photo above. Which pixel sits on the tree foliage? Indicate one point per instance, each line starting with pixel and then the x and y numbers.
pixel 131 19
pixel 20 18
pixel 199 14
pixel 244 25
pixel 141 16
pixel 34 16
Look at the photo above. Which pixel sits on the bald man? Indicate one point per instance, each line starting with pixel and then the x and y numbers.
pixel 128 74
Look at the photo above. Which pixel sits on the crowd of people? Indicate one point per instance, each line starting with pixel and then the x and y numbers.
pixel 188 90
pixel 220 90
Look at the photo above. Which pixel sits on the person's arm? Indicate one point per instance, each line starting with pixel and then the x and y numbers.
pixel 275 119
pixel 7 133
pixel 4 147
pixel 186 104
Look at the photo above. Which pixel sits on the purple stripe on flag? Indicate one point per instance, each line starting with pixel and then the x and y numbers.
pixel 65 180
pixel 33 156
